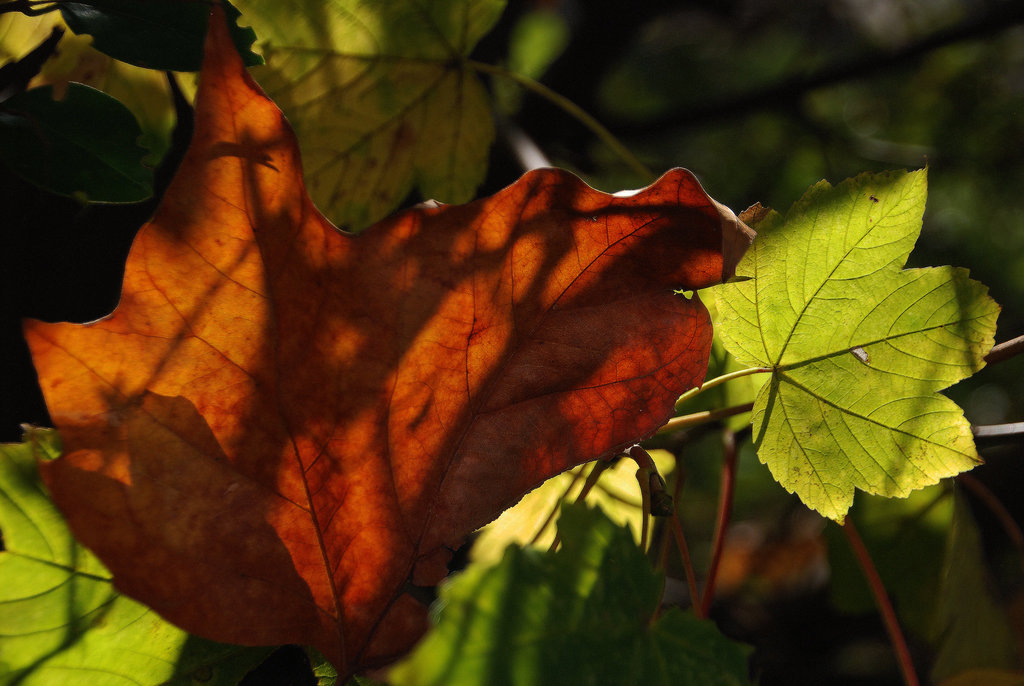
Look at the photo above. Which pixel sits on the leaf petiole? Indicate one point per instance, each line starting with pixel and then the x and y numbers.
pixel 892 625
pixel 570 108
pixel 719 380
pixel 697 418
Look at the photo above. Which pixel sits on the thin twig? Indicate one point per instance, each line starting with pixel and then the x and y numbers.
pixel 558 504
pixel 725 493
pixel 997 508
pixel 892 625
pixel 996 431
pixel 684 553
pixel 697 418
pixel 570 108
pixel 1005 350
pixel 645 466
pixel 588 486
pixel 717 381
pixel 1000 17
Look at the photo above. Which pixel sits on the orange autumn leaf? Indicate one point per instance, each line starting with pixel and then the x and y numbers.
pixel 282 429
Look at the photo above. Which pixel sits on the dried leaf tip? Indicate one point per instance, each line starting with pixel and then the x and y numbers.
pixel 736 238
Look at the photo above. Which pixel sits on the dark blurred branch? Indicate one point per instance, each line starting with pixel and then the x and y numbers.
pixel 996 507
pixel 28 7
pixel 1000 17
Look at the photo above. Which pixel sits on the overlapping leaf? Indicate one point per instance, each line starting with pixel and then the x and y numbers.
pixel 86 144
pixel 282 427
pixel 857 347
pixel 62 622
pixel 581 615
pixel 156 34
pixel 531 520
pixel 380 96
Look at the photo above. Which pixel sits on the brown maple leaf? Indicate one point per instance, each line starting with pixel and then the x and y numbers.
pixel 281 428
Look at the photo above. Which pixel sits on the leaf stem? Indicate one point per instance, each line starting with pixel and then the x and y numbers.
pixel 996 506
pixel 725 496
pixel 684 552
pixel 588 486
pixel 570 108
pixel 698 418
pixel 558 504
pixel 719 380
pixel 1005 350
pixel 892 625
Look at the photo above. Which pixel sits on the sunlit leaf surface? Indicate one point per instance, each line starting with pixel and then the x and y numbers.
pixel 857 346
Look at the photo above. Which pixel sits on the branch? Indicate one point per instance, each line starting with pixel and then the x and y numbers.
pixel 1005 350
pixel 998 431
pixel 688 420
pixel 725 497
pixel 573 110
pixel 1000 17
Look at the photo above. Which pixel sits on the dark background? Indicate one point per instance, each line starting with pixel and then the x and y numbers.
pixel 761 99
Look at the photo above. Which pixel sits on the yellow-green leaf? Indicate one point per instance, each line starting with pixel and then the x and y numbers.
pixel 531 521
pixel 380 96
pixel 858 346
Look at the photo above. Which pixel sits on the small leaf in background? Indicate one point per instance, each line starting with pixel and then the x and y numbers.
pixel 165 35
pixel 288 425
pixel 583 614
pixel 971 628
pixel 62 622
pixel 858 347
pixel 537 39
pixel 82 145
pixel 616 493
pixel 381 98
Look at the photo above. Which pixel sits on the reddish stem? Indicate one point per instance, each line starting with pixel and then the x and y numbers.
pixel 684 553
pixel 995 505
pixel 725 495
pixel 892 625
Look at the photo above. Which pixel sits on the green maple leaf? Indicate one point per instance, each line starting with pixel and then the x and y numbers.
pixel 858 347
pixel 583 614
pixel 61 619
pixel 381 96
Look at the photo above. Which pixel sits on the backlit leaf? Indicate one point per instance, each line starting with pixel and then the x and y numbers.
pixel 617 493
pixel 581 615
pixel 858 347
pixel 62 622
pixel 380 96
pixel 283 428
